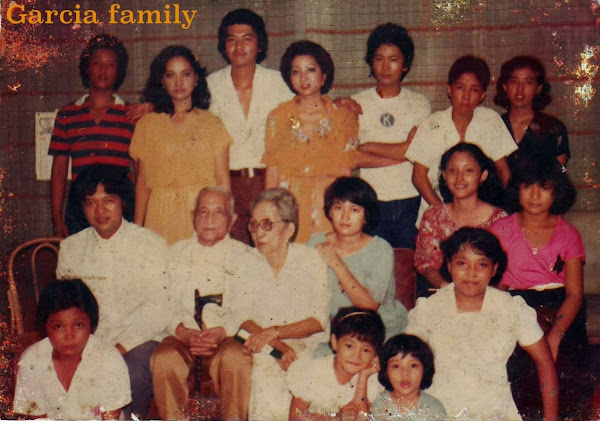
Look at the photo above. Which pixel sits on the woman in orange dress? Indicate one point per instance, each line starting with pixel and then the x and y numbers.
pixel 179 148
pixel 309 142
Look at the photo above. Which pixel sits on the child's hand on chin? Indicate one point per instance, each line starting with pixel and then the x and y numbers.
pixel 371 369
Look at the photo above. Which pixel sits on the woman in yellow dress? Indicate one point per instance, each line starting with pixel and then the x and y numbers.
pixel 179 148
pixel 309 142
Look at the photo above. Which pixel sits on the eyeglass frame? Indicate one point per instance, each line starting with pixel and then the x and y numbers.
pixel 253 225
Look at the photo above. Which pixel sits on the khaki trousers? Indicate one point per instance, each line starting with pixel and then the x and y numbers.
pixel 230 369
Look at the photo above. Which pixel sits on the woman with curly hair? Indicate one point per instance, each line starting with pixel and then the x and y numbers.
pixel 179 148
pixel 309 141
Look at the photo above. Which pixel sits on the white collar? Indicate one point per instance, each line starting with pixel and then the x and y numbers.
pixel 118 100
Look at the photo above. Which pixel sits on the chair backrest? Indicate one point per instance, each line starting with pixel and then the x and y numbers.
pixel 30 267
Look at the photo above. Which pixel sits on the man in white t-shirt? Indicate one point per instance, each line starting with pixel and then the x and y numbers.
pixel 390 113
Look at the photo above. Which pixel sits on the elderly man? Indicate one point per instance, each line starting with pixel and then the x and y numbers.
pixel 124 266
pixel 210 262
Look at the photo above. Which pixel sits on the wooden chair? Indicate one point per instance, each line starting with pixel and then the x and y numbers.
pixel 30 267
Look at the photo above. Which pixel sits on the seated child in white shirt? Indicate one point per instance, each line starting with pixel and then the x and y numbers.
pixel 70 374
pixel 340 385
pixel 407 368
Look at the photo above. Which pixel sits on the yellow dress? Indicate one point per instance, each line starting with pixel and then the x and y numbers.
pixel 309 162
pixel 178 161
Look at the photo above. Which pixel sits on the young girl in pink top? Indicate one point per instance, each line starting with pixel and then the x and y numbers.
pixel 545 253
pixel 545 260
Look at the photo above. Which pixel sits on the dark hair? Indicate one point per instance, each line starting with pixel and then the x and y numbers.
pixel 154 91
pixel 62 295
pixel 109 42
pixel 364 325
pixel 407 345
pixel 115 181
pixel 244 17
pixel 307 48
pixel 392 34
pixel 482 242
pixel 470 64
pixel 541 100
pixel 489 191
pixel 357 191
pixel 543 170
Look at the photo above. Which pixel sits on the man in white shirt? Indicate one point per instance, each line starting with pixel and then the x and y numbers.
pixel 391 112
pixel 242 95
pixel 212 263
pixel 124 266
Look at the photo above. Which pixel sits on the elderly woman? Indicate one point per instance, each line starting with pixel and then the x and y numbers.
pixel 309 142
pixel 283 303
pixel 361 267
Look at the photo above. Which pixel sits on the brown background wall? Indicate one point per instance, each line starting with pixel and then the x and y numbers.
pixel 556 31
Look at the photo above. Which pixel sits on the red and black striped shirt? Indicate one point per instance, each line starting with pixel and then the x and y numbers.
pixel 77 135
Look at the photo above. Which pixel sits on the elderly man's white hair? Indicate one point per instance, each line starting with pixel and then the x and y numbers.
pixel 220 190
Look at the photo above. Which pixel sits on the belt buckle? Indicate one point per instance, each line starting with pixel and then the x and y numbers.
pixel 251 172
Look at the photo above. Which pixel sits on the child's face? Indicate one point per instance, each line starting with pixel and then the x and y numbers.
pixel 466 94
pixel 352 355
pixel 536 199
pixel 463 175
pixel 471 272
pixel 388 65
pixel 68 331
pixel 405 373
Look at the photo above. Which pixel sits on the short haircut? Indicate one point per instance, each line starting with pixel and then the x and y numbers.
pixel 364 325
pixel 541 100
pixel 109 42
pixel 115 181
pixel 390 33
pixel 542 169
pixel 470 64
pixel 286 204
pixel 62 295
pixel 404 344
pixel 490 190
pixel 357 191
pixel 219 190
pixel 307 48
pixel 481 242
pixel 244 17
pixel 155 93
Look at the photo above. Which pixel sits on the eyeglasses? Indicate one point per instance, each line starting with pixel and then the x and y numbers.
pixel 265 225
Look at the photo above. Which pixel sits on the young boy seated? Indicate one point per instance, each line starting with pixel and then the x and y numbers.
pixel 464 121
pixel 71 374
pixel 340 385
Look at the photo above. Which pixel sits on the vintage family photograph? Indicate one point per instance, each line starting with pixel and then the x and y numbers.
pixel 296 210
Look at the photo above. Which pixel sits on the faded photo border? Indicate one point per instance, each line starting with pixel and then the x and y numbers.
pixel 41 40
